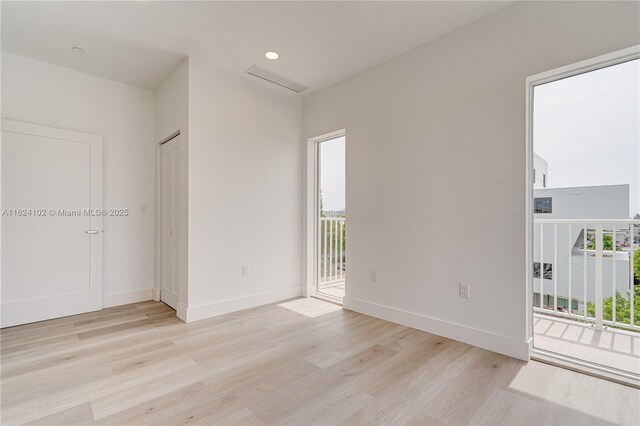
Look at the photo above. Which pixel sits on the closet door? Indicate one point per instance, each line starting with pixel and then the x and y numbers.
pixel 170 221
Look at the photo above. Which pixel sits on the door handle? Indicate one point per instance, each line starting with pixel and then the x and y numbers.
pixel 92 231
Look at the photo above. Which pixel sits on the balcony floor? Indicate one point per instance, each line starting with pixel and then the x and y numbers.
pixel 333 291
pixel 611 347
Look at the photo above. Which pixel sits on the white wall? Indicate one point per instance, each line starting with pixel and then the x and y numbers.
pixel 172 103
pixel 424 131
pixel 244 192
pixel 40 93
pixel 172 115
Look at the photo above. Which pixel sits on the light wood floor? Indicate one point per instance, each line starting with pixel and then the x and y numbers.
pixel 303 361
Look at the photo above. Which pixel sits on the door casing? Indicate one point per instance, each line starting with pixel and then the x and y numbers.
pixel 35 308
pixel 170 286
pixel 603 61
pixel 312 223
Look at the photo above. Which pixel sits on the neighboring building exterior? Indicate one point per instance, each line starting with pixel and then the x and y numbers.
pixel 586 202
pixel 590 202
pixel 540 172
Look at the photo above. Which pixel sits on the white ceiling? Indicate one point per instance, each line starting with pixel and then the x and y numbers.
pixel 140 42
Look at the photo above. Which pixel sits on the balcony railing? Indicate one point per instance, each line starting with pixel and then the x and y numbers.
pixel 332 251
pixel 584 270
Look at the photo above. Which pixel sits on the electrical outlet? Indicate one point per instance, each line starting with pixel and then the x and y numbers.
pixel 373 275
pixel 245 270
pixel 465 291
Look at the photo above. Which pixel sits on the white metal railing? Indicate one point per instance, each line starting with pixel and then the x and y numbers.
pixel 332 251
pixel 589 263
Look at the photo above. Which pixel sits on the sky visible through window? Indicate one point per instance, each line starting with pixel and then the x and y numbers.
pixel 332 174
pixel 587 128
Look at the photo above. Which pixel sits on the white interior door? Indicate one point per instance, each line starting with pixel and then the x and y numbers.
pixel 51 244
pixel 170 171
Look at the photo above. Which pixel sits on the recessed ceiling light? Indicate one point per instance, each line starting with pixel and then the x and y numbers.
pixel 271 55
pixel 78 50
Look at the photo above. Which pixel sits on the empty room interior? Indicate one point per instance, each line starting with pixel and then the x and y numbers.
pixel 320 212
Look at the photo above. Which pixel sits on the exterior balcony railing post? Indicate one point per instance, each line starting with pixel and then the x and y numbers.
pixel 598 278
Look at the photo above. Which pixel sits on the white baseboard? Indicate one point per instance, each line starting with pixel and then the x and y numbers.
pixel 117 299
pixel 181 312
pixel 209 310
pixel 520 349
